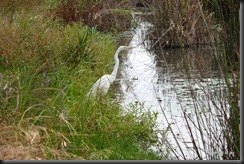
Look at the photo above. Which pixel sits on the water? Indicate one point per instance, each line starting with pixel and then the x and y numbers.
pixel 159 82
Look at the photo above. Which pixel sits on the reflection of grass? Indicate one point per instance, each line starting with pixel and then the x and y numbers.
pixel 207 117
pixel 46 70
pixel 212 131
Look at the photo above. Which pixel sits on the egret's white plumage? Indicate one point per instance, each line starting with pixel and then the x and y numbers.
pixel 102 85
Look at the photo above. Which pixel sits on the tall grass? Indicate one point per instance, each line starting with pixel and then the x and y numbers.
pixel 179 23
pixel 186 22
pixel 46 70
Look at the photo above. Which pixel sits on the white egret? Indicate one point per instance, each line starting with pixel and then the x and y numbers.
pixel 102 85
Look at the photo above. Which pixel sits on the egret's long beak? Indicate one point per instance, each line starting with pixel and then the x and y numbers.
pixel 130 47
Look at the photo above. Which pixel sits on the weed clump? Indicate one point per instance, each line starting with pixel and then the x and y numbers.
pixel 180 24
pixel 46 69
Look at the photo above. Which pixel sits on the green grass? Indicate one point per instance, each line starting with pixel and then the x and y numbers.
pixel 47 68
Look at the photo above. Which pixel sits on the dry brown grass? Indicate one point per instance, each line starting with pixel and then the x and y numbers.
pixel 20 144
pixel 180 23
pixel 29 143
pixel 17 151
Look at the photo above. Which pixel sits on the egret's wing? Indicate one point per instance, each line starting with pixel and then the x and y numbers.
pixel 103 83
pixel 101 86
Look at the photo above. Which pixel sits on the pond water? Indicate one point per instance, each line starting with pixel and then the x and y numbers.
pixel 178 85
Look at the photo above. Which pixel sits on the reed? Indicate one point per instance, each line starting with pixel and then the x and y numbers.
pixel 187 23
pixel 179 23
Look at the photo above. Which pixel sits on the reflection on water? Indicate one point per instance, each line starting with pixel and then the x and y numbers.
pixel 166 82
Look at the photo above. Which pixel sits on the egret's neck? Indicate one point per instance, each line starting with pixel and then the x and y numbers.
pixel 116 66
